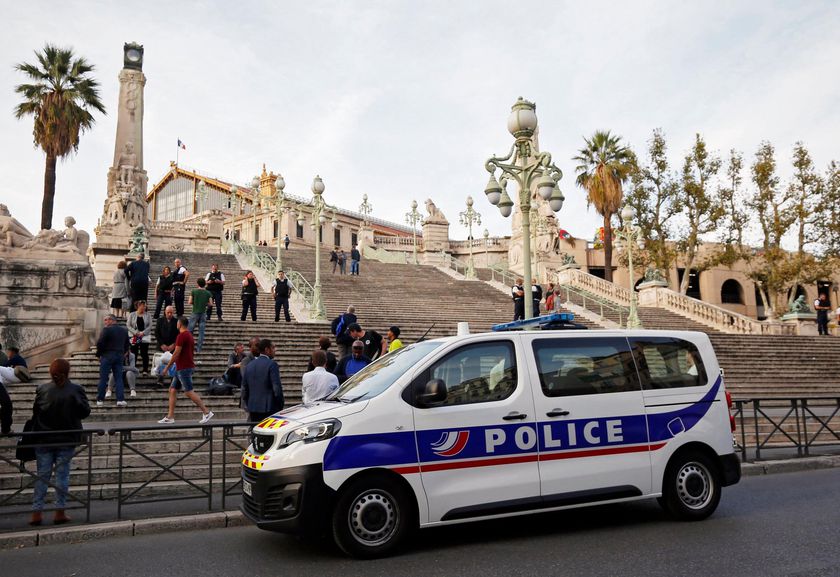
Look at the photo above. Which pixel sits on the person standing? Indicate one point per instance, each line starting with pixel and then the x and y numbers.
pixel 183 359
pixel 822 305
pixel 250 289
pixel 373 342
pixel 536 295
pixel 6 410
pixel 60 405
pixel 110 349
pixel 215 284
pixel 180 275
pixel 339 330
pixel 394 341
pixel 342 262
pixel 517 293
pixel 119 293
pixel 286 241
pixel 334 258
pixel 137 273
pixel 352 364
pixel 324 345
pixel 281 290
pixel 139 327
pixel 318 383
pixel 200 298
pixel 129 375
pixel 355 258
pixel 262 392
pixel 163 291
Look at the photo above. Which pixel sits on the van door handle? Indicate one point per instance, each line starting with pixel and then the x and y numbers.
pixel 514 416
pixel 557 413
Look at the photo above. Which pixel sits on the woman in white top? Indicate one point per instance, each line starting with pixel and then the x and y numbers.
pixel 119 294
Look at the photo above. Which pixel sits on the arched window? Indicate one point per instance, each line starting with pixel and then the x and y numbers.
pixel 731 292
pixel 800 292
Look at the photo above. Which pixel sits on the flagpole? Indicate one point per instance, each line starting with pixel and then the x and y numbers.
pixel 177 150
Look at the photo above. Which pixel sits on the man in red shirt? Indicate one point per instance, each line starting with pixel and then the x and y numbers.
pixel 184 368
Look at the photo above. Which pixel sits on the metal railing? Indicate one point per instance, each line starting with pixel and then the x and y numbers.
pixel 596 304
pixel 500 270
pixel 386 256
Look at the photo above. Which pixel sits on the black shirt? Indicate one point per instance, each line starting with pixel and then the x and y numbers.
pixel 281 288
pixel 215 276
pixel 250 288
pixel 373 344
pixel 166 331
pixel 60 409
pixel 138 272
pixel 114 339
pixel 164 283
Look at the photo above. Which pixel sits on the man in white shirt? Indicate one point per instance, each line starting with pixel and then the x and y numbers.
pixel 318 383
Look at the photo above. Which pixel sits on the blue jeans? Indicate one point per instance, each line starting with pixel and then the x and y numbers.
pixel 46 458
pixel 183 380
pixel 201 319
pixel 111 363
pixel 354 267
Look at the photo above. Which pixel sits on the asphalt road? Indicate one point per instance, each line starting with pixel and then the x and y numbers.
pixel 766 526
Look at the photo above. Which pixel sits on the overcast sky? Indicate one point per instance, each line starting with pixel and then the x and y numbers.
pixel 406 100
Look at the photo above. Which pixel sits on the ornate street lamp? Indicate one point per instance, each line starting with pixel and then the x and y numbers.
pixel 528 168
pixel 414 218
pixel 486 243
pixel 365 208
pixel 627 237
pixel 202 194
pixel 469 218
pixel 282 206
pixel 255 184
pixel 319 207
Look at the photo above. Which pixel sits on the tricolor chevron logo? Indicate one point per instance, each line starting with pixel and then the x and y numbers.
pixel 451 443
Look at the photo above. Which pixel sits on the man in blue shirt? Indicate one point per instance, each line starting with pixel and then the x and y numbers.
pixel 350 365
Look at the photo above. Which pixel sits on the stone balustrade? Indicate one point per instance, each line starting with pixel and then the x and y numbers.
pixel 593 284
pixel 400 241
pixel 185 226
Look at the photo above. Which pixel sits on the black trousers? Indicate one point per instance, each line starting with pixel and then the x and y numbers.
pixel 139 292
pixel 257 417
pixel 822 322
pixel 249 301
pixel 178 296
pixel 518 310
pixel 217 298
pixel 164 299
pixel 281 303
pixel 142 349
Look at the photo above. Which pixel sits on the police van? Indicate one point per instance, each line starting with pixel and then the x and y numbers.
pixel 497 424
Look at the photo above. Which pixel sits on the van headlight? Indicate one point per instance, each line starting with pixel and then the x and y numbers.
pixel 312 432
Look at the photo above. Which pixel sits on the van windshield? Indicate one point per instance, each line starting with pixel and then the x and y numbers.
pixel 382 373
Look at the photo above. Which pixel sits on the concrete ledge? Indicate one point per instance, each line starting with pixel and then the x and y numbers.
pixel 187 522
pixel 789 465
pixel 236 519
pixel 80 533
pixel 18 540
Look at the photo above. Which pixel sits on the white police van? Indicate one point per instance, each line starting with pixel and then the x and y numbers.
pixel 497 424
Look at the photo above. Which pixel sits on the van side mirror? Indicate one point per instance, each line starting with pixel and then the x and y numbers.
pixel 432 393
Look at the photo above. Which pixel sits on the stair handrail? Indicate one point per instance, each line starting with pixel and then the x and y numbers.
pixel 268 264
pixel 595 285
pixel 386 256
pixel 596 304
pixel 500 269
pixel 449 261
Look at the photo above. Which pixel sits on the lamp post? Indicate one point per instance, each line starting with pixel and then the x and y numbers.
pixel 469 218
pixel 528 167
pixel 486 243
pixel 282 206
pixel 629 236
pixel 255 184
pixel 319 207
pixel 413 218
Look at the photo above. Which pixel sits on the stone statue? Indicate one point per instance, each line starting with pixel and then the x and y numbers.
pixel 653 274
pixel 127 164
pixel 52 240
pixel 435 215
pixel 79 238
pixel 12 233
pixel 800 305
pixel 139 240
pixel 568 258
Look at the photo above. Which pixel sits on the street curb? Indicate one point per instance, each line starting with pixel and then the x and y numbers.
pixel 99 531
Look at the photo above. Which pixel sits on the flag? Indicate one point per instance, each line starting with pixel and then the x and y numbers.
pixel 181 145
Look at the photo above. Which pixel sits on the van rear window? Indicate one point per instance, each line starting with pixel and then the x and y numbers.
pixel 569 366
pixel 668 363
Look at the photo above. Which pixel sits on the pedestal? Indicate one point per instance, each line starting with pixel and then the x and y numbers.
pixel 805 323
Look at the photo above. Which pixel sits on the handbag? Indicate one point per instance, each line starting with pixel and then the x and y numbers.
pixel 25 450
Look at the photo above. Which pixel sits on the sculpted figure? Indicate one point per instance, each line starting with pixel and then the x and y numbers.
pixel 78 238
pixel 127 164
pixel 800 305
pixel 435 215
pixel 12 233
pixel 51 240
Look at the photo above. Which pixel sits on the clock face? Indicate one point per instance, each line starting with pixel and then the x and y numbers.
pixel 133 55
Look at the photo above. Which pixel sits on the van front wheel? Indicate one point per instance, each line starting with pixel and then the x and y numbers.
pixel 691 488
pixel 371 518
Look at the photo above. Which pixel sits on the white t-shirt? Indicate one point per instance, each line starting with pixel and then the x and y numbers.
pixel 317 384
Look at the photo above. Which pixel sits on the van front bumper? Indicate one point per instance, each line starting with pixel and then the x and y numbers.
pixel 293 500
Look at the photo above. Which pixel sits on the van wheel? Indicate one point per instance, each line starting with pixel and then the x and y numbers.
pixel 691 488
pixel 371 518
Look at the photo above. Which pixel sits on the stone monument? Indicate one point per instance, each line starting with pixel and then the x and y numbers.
pixel 49 305
pixel 435 233
pixel 125 205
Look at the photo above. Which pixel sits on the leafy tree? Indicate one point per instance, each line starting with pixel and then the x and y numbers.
pixel 61 98
pixel 701 205
pixel 603 166
pixel 736 218
pixel 654 197
pixel 827 221
pixel 806 190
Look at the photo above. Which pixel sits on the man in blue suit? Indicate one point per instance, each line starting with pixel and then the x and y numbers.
pixel 262 394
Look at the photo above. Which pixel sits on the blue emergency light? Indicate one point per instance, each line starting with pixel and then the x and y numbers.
pixel 545 322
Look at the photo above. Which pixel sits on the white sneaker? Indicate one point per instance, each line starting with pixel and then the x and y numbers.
pixel 206 417
pixel 166 421
pixel 99 403
pixel 107 393
pixel 133 393
pixel 122 404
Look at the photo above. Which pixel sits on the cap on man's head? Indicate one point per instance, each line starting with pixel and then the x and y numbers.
pixel 358 345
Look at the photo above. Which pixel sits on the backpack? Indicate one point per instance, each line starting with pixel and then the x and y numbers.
pixel 218 387
pixel 337 325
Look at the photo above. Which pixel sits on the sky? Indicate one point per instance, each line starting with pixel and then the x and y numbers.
pixel 405 100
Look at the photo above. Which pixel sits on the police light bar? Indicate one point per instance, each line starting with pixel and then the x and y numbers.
pixel 552 321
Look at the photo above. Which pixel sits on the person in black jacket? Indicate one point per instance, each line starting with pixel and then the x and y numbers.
pixel 5 411
pixel 59 406
pixel 137 273
pixel 110 349
pixel 281 289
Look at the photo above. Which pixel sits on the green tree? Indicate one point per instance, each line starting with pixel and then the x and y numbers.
pixel 736 218
pixel 701 206
pixel 653 194
pixel 61 97
pixel 806 189
pixel 827 221
pixel 603 166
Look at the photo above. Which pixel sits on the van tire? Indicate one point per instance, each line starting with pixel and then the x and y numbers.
pixel 372 518
pixel 691 488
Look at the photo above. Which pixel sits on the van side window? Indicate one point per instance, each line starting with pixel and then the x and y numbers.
pixel 588 366
pixel 478 373
pixel 668 363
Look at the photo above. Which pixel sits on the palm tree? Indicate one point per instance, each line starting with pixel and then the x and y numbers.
pixel 61 97
pixel 603 164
